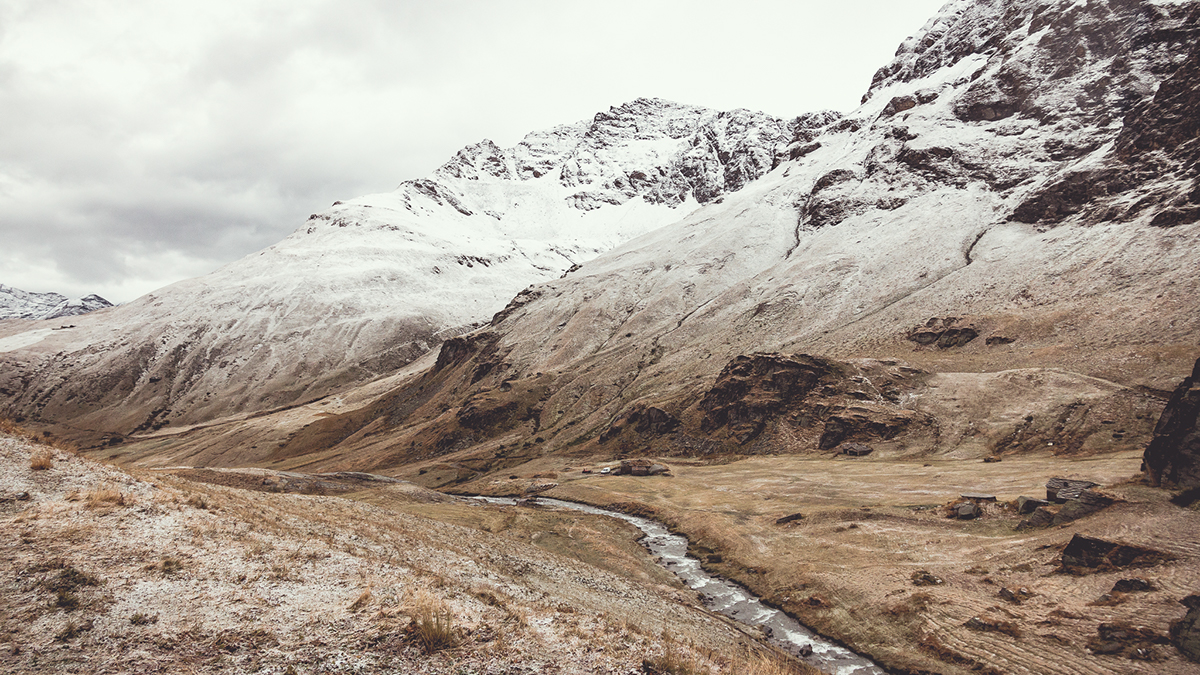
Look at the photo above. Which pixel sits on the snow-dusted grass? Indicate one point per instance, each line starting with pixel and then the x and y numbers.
pixel 199 577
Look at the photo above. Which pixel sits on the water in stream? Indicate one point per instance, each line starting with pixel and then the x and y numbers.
pixel 727 598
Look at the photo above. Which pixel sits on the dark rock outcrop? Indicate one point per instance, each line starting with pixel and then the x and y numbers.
pixel 1185 633
pixel 1134 585
pixel 1123 639
pixel 1173 455
pixel 944 333
pixel 644 420
pixel 1088 554
pixel 753 389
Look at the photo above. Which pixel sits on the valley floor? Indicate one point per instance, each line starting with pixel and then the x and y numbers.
pixel 846 566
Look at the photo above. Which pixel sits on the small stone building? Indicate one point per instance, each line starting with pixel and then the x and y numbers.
pixel 1062 490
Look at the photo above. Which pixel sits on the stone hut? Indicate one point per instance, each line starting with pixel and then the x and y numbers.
pixel 640 467
pixel 1062 490
pixel 855 449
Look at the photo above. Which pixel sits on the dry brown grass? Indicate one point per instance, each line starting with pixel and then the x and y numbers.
pixel 361 601
pixel 41 460
pixel 105 497
pixel 675 659
pixel 769 663
pixel 432 622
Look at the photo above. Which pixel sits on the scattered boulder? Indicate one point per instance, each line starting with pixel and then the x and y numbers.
pixel 968 511
pixel 789 519
pixel 1041 517
pixel 1173 455
pixel 899 104
pixel 926 578
pixel 1083 555
pixel 1185 633
pixel 1134 585
pixel 991 459
pixel 1089 502
pixel 1016 597
pixel 992 626
pixel 1027 505
pixel 806 650
pixel 1078 501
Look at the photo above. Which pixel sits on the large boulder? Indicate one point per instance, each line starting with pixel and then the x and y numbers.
pixel 1173 455
pixel 1185 633
pixel 1088 554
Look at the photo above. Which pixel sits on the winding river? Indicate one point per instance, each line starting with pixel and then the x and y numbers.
pixel 727 598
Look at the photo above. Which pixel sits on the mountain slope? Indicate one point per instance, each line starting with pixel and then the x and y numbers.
pixel 370 284
pixel 940 223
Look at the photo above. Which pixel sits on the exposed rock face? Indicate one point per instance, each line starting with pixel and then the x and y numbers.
pixel 1174 453
pixel 754 389
pixel 647 420
pixel 755 392
pixel 944 333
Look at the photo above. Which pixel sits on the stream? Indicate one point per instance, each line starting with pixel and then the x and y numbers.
pixel 725 597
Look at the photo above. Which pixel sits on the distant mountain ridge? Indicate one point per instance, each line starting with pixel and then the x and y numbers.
pixel 372 283
pixel 18 304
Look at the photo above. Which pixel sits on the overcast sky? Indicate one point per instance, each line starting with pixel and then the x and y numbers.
pixel 146 142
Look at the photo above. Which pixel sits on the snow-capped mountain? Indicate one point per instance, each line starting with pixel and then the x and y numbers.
pixel 372 283
pixel 18 304
pixel 1016 195
pixel 1029 164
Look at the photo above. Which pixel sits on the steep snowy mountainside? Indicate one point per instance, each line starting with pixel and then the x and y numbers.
pixel 371 283
pixel 938 223
pixel 18 304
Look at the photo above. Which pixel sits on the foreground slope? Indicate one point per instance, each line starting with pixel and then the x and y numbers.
pixel 986 273
pixel 103 571
pixel 372 283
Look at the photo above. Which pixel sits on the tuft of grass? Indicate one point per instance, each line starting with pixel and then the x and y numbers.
pixel 432 622
pixel 361 601
pixel 66 600
pixel 141 619
pixel 41 460
pixel 107 496
pixel 73 630
pixel 167 566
